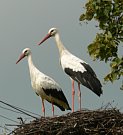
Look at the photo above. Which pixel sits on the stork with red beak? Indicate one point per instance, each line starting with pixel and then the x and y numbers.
pixel 44 86
pixel 77 69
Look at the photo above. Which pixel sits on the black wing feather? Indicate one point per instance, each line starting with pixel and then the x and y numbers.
pixel 87 78
pixel 58 94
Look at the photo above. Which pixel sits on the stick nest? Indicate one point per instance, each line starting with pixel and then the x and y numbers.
pixel 85 122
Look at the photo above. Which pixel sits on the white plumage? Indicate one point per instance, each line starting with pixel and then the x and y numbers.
pixel 70 61
pixel 76 68
pixel 44 85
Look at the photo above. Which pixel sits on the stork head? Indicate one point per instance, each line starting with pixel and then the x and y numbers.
pixel 51 33
pixel 24 53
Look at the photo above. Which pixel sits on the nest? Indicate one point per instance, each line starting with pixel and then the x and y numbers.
pixel 85 122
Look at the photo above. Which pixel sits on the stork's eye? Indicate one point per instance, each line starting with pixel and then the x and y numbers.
pixel 26 51
pixel 51 31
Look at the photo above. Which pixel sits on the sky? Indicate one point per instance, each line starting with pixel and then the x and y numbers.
pixel 23 24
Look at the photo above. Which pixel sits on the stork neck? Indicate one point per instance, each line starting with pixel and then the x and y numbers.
pixel 60 45
pixel 30 64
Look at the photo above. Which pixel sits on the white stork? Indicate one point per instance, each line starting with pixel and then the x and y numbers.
pixel 44 86
pixel 76 68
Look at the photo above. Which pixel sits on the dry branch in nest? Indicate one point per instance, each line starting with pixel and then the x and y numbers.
pixel 85 122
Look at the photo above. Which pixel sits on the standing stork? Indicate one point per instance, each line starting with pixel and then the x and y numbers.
pixel 44 86
pixel 77 69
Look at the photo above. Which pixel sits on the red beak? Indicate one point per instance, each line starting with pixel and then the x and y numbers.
pixel 47 36
pixel 21 57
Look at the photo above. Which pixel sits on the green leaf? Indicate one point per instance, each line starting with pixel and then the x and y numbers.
pixel 82 17
pixel 109 14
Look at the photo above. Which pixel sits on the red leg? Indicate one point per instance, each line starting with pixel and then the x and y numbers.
pixel 43 107
pixel 79 96
pixel 73 93
pixel 53 109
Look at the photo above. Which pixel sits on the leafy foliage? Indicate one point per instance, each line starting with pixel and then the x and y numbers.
pixel 109 14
